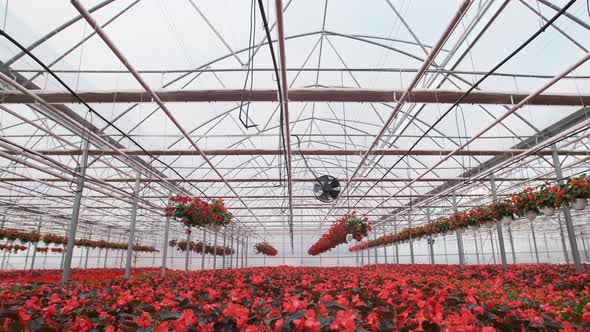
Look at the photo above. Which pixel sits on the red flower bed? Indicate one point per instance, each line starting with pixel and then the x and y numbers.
pixel 266 249
pixel 376 298
pixel 350 223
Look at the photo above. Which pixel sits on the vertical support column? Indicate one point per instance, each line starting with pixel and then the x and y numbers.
pixel 165 247
pixel 246 249
pixel 203 247
pixel 511 244
pixel 563 245
pixel 237 247
pixel 27 258
pixel 499 227
pixel 81 171
pixel 384 247
pixel 357 258
pixel 131 241
pixel 535 242
pixel 35 247
pixel 188 250
pixel 492 243
pixel 476 248
pixel 569 226
pixel 446 254
pixel 368 256
pixel 88 249
pixel 362 258
pixel 215 248
pixel 231 245
pixel 546 247
pixel 106 251
pixel 242 253
pixel 375 251
pixel 411 244
pixel 586 254
pixel 396 247
pixel 459 238
pixel 430 239
pixel 224 246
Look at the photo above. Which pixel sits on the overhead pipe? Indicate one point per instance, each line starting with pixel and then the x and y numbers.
pixel 153 95
pixel 285 98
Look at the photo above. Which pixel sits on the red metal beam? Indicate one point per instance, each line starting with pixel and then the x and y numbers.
pixel 302 95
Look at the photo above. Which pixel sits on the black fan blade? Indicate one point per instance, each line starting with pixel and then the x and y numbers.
pixel 334 194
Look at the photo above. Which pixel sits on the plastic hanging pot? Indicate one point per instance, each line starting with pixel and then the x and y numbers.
pixel 580 204
pixel 348 237
pixel 506 220
pixel 531 215
pixel 548 211
pixel 488 224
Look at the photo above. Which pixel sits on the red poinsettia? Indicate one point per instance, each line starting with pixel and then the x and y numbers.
pixel 358 227
pixel 265 248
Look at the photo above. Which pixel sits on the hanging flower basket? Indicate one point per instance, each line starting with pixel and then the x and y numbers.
pixel 194 212
pixel 265 248
pixel 579 204
pixel 548 211
pixel 359 227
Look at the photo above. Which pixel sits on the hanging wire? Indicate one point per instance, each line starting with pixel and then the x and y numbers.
pixel 250 71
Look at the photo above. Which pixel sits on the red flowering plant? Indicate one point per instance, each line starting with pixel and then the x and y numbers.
pixel 503 208
pixel 23 236
pixel 265 248
pixel 42 250
pixel 444 298
pixel 578 187
pixel 525 201
pixel 196 212
pixel 54 239
pixel 12 248
pixel 57 250
pixel 552 196
pixel 479 215
pixel 350 223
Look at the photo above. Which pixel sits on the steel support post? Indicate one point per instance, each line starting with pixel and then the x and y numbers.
pixel 499 227
pixel 188 249
pixel 476 248
pixel 357 258
pixel 569 226
pixel 69 251
pixel 586 254
pixel 87 250
pixel 384 249
pixel 231 245
pixel 27 258
pixel 535 242
pixel 546 247
pixel 531 250
pixel 237 247
pixel 224 246
pixel 35 247
pixel 203 247
pixel 165 247
pixel 411 242
pixel 563 244
pixel 396 247
pixel 375 250
pixel 430 239
pixel 511 244
pixel 131 241
pixel 362 258
pixel 459 238
pixel 106 250
pixel 215 248
pixel 492 244
pixel 246 249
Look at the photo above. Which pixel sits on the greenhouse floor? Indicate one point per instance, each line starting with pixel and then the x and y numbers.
pixel 373 298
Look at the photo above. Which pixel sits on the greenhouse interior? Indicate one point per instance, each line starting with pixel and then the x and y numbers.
pixel 294 165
